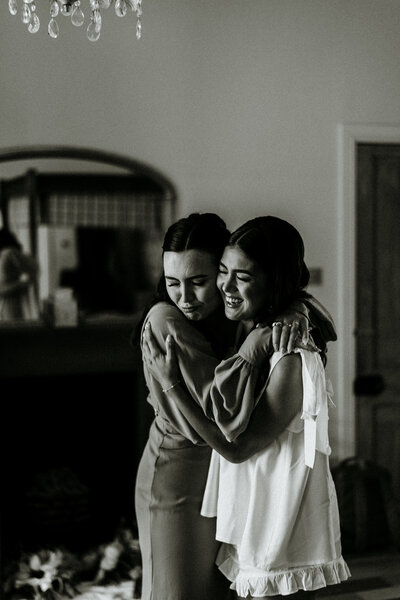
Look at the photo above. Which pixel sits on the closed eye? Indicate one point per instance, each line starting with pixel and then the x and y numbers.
pixel 171 282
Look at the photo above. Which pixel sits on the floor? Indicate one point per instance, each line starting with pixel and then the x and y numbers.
pixel 374 577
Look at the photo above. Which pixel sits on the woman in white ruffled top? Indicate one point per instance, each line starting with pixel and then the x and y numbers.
pixel 277 513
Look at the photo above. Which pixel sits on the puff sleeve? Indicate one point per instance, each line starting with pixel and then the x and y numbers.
pixel 197 363
pixel 239 382
pixel 227 391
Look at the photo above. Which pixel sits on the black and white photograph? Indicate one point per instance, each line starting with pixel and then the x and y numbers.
pixel 200 299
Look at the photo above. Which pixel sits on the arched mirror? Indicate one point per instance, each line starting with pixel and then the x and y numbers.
pixel 90 225
pixel 75 409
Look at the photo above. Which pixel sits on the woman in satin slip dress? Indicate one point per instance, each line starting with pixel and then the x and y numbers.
pixel 277 514
pixel 178 545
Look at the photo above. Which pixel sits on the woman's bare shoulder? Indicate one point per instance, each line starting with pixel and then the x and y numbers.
pixel 286 367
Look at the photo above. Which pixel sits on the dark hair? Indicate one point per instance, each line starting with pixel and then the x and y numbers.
pixel 277 247
pixel 198 231
pixel 8 240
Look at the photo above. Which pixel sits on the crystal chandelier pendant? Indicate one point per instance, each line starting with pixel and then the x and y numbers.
pixel 137 8
pixel 73 9
pixel 96 17
pixel 66 7
pixel 34 23
pixel 54 8
pixel 121 8
pixel 53 29
pixel 13 7
pixel 26 14
pixel 77 17
pixel 93 31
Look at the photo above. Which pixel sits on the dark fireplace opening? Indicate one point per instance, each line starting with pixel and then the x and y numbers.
pixel 70 450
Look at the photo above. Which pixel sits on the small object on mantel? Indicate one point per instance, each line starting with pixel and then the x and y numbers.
pixel 65 308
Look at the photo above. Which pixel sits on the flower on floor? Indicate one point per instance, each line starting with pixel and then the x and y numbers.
pixel 57 573
pixel 121 560
pixel 45 574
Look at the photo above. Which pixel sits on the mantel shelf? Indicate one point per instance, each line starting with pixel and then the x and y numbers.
pixel 33 349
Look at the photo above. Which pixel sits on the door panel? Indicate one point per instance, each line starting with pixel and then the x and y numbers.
pixel 378 305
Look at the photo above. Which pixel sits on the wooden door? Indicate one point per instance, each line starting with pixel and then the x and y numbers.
pixel 377 384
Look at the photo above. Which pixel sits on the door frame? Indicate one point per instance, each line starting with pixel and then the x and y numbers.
pixel 349 135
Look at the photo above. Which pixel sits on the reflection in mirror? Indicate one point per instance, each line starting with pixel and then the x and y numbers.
pixel 18 280
pixel 90 241
pixel 109 269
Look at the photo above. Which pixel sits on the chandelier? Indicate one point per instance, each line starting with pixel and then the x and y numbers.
pixel 73 9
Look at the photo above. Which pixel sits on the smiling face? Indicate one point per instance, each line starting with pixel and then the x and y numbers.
pixel 190 279
pixel 243 286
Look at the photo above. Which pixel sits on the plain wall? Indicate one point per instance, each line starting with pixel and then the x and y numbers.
pixel 237 102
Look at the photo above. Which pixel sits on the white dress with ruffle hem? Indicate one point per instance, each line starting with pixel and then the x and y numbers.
pixel 277 512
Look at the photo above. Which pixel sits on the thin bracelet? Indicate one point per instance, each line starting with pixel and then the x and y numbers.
pixel 171 386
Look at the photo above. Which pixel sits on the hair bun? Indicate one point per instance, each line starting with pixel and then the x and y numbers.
pixel 211 218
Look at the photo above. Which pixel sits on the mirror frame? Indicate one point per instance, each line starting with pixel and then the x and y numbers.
pixel 38 151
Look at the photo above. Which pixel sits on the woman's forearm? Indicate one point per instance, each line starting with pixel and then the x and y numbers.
pixel 205 428
pixel 275 410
